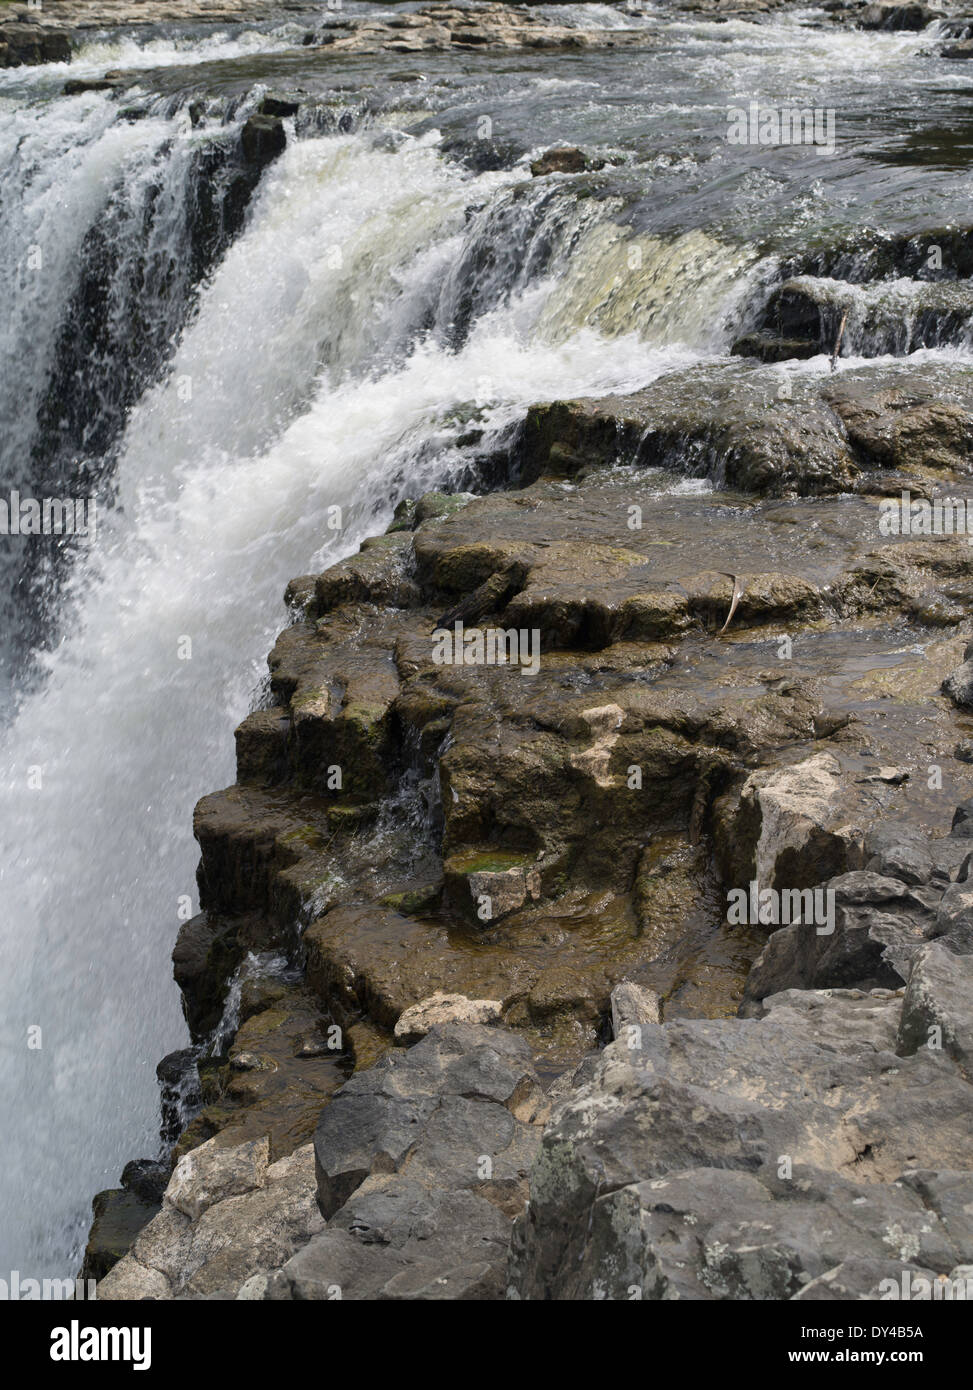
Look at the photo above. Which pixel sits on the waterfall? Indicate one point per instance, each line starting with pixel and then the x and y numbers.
pixel 334 355
pixel 109 225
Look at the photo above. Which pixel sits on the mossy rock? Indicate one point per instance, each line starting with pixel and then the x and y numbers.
pixel 414 901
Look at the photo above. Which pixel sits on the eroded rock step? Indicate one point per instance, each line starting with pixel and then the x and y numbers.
pixel 628 678
pixel 767 431
pixel 869 295
pixel 808 316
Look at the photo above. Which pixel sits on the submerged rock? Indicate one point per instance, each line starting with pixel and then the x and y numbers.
pixel 566 159
pixel 262 140
pixel 273 105
pixel 483 156
pixel 77 86
pixel 898 15
pixel 772 347
pixel 962 50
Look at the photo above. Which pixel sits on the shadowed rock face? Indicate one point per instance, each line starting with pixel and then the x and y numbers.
pixel 808 316
pixel 22 44
pixel 870 296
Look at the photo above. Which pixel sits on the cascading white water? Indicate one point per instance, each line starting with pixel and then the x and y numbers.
pixel 59 164
pixel 120 50
pixel 315 372
pixel 108 224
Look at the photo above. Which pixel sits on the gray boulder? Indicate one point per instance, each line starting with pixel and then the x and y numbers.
pixel 898 15
pixel 746 1159
pixel 463 1092
pixel 958 685
pixel 900 852
pixel 422 1164
pixel 879 924
pixel 937 1012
